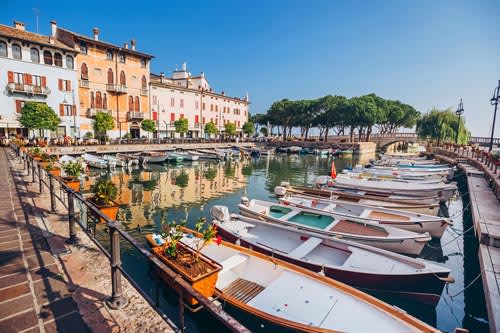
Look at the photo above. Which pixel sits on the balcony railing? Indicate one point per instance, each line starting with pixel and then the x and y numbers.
pixel 27 89
pixel 117 88
pixel 92 112
pixel 196 125
pixel 132 115
pixel 144 92
pixel 84 84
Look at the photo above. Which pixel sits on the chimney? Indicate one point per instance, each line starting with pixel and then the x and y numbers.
pixel 162 76
pixel 222 93
pixel 132 44
pixel 53 28
pixel 51 40
pixel 125 45
pixel 184 66
pixel 19 25
pixel 96 33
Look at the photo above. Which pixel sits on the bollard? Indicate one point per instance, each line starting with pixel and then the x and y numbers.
pixel 73 239
pixel 117 301
pixel 40 183
pixel 52 194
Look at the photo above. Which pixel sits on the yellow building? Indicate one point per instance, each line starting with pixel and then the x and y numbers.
pixel 112 79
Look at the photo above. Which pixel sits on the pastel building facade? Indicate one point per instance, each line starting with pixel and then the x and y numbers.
pixel 184 95
pixel 111 79
pixel 35 67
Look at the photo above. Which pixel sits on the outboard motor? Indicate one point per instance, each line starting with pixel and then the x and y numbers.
pixel 280 191
pixel 245 201
pixel 220 213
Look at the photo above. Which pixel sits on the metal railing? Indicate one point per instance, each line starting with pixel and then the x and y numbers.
pixel 108 236
pixel 135 115
pixel 116 88
pixel 27 89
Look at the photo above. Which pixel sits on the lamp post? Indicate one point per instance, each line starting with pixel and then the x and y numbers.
pixel 459 112
pixel 494 101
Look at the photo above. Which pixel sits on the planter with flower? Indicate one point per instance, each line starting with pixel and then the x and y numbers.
pixel 185 257
pixel 53 169
pixel 73 170
pixel 105 193
pixel 47 159
pixel 35 153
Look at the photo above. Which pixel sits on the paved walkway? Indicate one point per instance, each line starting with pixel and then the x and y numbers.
pixel 34 297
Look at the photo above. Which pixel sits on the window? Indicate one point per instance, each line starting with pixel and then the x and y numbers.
pixel 85 72
pixel 18 78
pixel 35 55
pixel 216 108
pixel 3 49
pixel 104 101
pixel 121 57
pixel 16 52
pixel 143 63
pixel 47 58
pixel 92 100
pixel 83 47
pixel 196 105
pixel 144 82
pixel 69 62
pixel 109 54
pixel 58 59
pixel 98 100
pixel 19 105
pixel 203 106
pixel 131 103
pixel 155 100
pixel 181 103
pixel 181 116
pixel 123 80
pixel 36 80
pixel 110 76
pixel 137 104
pixel 65 110
pixel 172 117
pixel 211 107
pixel 203 120
pixel 172 102
pixel 196 119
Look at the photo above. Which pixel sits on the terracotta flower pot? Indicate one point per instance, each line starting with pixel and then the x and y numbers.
pixel 109 210
pixel 37 158
pixel 73 183
pixel 203 283
pixel 44 164
pixel 55 172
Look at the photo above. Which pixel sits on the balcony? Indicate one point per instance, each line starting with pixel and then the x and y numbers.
pixel 132 115
pixel 27 89
pixel 144 92
pixel 197 125
pixel 92 112
pixel 116 88
pixel 84 84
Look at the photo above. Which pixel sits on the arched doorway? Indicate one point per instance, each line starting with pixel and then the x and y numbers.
pixel 135 132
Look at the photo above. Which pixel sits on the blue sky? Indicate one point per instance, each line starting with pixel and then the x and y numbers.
pixel 424 53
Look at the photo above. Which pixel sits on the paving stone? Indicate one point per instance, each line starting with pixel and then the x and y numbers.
pixel 7 256
pixel 12 268
pixel 20 322
pixel 45 272
pixel 56 309
pixel 14 291
pixel 50 289
pixel 41 259
pixel 11 280
pixel 10 307
pixel 8 238
pixel 71 323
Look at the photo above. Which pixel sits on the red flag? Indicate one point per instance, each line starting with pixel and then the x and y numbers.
pixel 333 173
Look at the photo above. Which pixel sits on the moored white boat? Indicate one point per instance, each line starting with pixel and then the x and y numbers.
pixel 188 156
pixel 175 157
pixel 292 297
pixel 96 162
pixel 369 233
pixel 112 160
pixel 152 157
pixel 128 159
pixel 416 222
pixel 358 265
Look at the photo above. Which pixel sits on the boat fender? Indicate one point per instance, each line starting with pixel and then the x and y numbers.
pixel 280 191
pixel 245 201
pixel 447 279
pixel 314 203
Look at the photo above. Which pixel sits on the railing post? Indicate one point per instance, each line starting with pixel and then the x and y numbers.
pixel 40 183
pixel 52 194
pixel 28 165
pixel 181 325
pixel 32 171
pixel 73 239
pixel 117 301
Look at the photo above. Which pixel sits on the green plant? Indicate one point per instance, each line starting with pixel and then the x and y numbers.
pixel 40 116
pixel 48 158
pixel 148 125
pixel 127 136
pixel 73 168
pixel 230 129
pixel 103 123
pixel 104 191
pixel 36 152
pixel 51 166
pixel 211 129
pixel 88 135
pixel 172 234
pixel 207 232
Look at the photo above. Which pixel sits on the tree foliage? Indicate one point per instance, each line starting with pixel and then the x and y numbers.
pixel 39 116
pixel 230 129
pixel 103 122
pixel 181 126
pixel 442 125
pixel 211 129
pixel 148 125
pixel 248 128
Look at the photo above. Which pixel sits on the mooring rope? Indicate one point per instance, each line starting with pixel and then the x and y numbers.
pixel 450 241
pixel 467 286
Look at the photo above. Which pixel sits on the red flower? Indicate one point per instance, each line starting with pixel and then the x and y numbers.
pixel 218 239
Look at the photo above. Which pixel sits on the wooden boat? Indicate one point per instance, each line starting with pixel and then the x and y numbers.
pixel 416 222
pixel 395 176
pixel 442 191
pixel 114 161
pixel 188 156
pixel 428 206
pixel 216 155
pixel 294 150
pixel 406 173
pixel 128 159
pixel 152 157
pixel 361 231
pixel 358 265
pixel 174 157
pixel 96 162
pixel 204 156
pixel 294 298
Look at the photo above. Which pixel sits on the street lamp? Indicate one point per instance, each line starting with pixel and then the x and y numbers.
pixel 459 112
pixel 73 111
pixel 494 101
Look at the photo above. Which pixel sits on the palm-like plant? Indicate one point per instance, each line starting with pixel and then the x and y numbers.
pixel 105 191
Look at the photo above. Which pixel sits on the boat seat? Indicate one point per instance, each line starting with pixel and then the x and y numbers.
pixel 366 213
pixel 232 262
pixel 305 248
pixel 226 275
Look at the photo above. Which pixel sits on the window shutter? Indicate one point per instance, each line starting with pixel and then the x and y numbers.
pixel 10 76
pixel 61 109
pixel 18 106
pixel 73 110
pixel 196 119
pixel 68 85
pixel 172 117
pixel 29 79
pixel 155 115
pixel 25 79
pixel 60 84
pixel 44 81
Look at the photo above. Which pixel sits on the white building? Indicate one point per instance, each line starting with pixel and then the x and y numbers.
pixel 186 96
pixel 35 67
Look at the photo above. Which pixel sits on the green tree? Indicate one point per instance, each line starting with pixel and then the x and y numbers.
pixel 181 126
pixel 248 128
pixel 264 131
pixel 230 129
pixel 211 129
pixel 441 125
pixel 148 125
pixel 39 116
pixel 102 124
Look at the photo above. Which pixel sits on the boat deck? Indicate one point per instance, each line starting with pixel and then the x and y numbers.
pixel 349 227
pixel 243 290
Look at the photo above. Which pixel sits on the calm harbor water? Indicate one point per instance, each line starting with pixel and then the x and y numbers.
pixel 150 195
